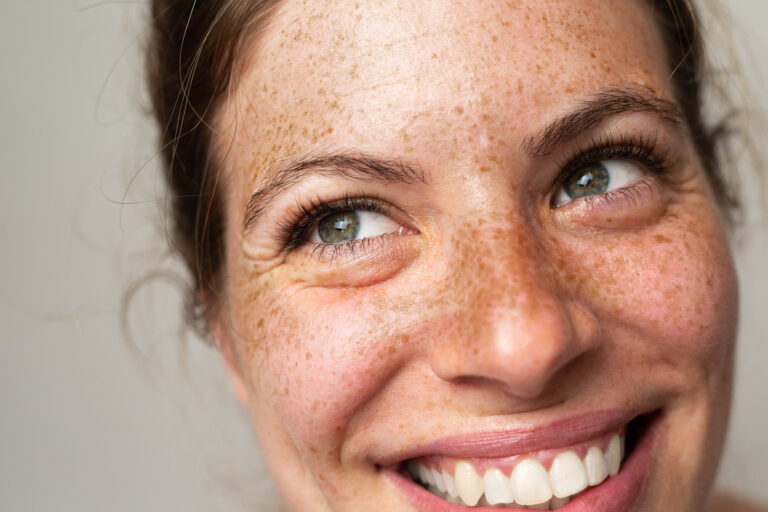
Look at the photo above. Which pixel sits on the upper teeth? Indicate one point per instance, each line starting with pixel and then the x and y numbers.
pixel 529 483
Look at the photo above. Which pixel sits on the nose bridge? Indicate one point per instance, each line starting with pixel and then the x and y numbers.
pixel 505 267
pixel 513 327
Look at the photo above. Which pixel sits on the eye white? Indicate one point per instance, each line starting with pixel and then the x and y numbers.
pixel 372 224
pixel 621 173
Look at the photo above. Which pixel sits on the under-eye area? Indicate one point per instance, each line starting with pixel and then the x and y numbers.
pixel 542 480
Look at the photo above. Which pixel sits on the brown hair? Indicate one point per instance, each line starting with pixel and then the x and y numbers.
pixel 191 57
pixel 192 53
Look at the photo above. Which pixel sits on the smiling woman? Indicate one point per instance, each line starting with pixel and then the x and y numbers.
pixel 457 252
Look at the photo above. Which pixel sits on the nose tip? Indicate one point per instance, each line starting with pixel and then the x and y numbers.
pixel 519 349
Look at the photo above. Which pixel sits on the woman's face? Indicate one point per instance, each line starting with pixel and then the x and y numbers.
pixel 473 239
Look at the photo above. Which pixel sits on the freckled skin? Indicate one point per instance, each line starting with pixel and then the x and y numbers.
pixel 501 311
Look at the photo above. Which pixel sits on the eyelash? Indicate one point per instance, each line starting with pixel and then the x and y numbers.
pixel 294 232
pixel 642 150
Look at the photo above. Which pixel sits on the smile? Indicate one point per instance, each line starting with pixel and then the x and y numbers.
pixel 522 480
pixel 543 479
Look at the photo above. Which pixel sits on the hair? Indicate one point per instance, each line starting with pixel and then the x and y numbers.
pixel 192 55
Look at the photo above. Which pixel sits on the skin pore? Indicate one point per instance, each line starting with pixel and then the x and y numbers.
pixel 487 301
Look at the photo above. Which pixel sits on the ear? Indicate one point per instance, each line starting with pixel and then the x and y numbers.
pixel 223 343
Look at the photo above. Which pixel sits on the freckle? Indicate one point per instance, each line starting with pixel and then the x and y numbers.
pixel 458 109
pixel 309 356
pixel 495 38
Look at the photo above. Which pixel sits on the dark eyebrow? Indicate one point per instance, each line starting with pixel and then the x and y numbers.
pixel 596 109
pixel 359 166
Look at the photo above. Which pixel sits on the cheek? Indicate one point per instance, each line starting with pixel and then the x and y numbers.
pixel 317 355
pixel 671 290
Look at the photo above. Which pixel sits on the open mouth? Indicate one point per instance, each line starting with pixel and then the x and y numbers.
pixel 542 480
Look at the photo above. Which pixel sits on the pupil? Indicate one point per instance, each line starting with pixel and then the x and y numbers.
pixel 339 227
pixel 590 180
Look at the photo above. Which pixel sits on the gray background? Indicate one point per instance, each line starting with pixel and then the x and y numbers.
pixel 89 421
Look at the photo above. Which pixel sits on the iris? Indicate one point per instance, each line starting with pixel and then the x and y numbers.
pixel 589 180
pixel 339 227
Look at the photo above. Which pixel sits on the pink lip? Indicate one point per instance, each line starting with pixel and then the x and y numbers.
pixel 620 493
pixel 505 443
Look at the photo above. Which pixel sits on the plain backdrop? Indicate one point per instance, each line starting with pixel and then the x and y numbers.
pixel 90 421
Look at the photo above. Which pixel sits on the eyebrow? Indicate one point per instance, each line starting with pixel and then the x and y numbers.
pixel 597 109
pixel 353 165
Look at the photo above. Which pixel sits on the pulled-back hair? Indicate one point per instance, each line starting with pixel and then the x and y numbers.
pixel 192 55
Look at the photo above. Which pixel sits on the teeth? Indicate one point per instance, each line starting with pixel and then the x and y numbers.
pixel 530 483
pixel 530 486
pixel 498 488
pixel 468 483
pixel 613 455
pixel 425 475
pixel 454 499
pixel 597 468
pixel 567 475
pixel 439 480
pixel 450 484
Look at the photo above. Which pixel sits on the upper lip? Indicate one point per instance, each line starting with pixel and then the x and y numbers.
pixel 502 442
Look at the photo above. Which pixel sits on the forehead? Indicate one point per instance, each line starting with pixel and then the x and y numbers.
pixel 325 72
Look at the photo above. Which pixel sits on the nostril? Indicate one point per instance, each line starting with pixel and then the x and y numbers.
pixel 520 344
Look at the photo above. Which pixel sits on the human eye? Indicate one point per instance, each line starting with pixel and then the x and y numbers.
pixel 610 168
pixel 348 224
pixel 598 178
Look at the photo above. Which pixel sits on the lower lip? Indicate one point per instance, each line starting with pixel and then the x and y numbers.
pixel 620 493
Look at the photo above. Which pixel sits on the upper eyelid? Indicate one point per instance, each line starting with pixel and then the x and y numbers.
pixel 599 108
pixel 646 149
pixel 352 165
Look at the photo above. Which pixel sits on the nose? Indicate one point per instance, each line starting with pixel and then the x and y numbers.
pixel 515 327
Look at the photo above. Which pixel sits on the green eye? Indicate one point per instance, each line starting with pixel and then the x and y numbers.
pixel 339 227
pixel 598 178
pixel 589 180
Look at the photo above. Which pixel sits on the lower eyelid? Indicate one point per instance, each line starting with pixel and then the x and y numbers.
pixel 628 197
pixel 639 204
pixel 351 250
